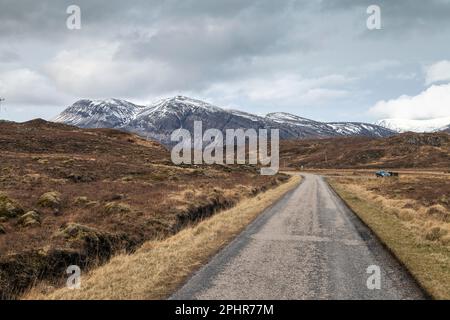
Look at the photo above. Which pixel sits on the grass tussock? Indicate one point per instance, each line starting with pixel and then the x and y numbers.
pixel 417 233
pixel 159 267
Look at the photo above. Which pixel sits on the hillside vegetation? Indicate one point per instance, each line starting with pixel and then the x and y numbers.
pixel 408 150
pixel 159 267
pixel 79 196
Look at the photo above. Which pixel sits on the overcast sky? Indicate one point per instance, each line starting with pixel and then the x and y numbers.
pixel 315 58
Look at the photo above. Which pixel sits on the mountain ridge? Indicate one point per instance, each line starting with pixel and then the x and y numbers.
pixel 158 120
pixel 418 126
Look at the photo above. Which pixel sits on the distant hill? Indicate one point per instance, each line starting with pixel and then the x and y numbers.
pixel 407 150
pixel 159 120
pixel 405 125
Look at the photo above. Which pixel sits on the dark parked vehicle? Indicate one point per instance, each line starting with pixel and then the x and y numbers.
pixel 382 174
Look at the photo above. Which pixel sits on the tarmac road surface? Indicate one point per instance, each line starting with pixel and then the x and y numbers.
pixel 308 245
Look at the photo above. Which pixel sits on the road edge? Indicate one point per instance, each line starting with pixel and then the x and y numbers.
pixel 232 248
pixel 385 245
pixel 159 268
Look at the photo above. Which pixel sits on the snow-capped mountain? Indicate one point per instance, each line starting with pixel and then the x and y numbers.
pixel 306 126
pixel 158 121
pixel 111 113
pixel 359 129
pixel 404 125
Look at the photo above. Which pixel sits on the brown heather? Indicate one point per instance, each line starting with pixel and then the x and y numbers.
pixel 98 193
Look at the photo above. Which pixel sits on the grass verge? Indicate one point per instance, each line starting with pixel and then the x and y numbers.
pixel 158 268
pixel 427 261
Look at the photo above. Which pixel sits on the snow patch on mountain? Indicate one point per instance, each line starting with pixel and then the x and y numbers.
pixel 358 129
pixel 99 113
pixel 246 115
pixel 284 117
pixel 404 125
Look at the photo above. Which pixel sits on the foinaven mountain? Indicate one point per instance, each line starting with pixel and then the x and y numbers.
pixel 159 120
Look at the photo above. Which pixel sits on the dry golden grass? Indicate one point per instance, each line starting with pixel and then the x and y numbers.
pixel 158 268
pixel 418 235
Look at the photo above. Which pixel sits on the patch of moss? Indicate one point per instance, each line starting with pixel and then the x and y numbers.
pixel 81 201
pixel 50 199
pixel 84 202
pixel 9 208
pixel 116 207
pixel 77 231
pixel 30 219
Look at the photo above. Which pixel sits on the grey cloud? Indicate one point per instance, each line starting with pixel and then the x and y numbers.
pixel 211 48
pixel 403 16
pixel 8 56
